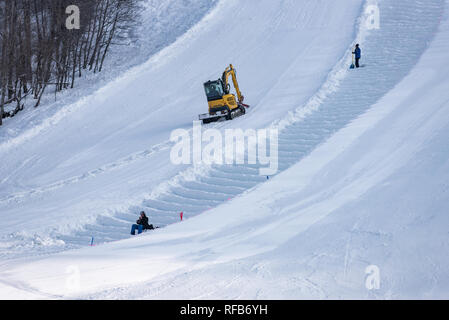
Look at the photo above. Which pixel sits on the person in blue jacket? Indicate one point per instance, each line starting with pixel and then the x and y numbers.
pixel 358 54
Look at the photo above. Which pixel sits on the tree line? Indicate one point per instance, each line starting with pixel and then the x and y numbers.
pixel 38 50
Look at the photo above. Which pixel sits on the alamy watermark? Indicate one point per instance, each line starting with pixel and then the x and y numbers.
pixel 198 146
pixel 372 12
pixel 372 281
pixel 73 280
pixel 73 21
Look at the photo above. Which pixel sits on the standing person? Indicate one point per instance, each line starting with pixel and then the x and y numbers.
pixel 141 224
pixel 358 54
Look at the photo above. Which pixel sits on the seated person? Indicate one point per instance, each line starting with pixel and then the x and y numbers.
pixel 142 224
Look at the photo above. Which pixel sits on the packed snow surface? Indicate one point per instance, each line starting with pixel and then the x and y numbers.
pixel 362 185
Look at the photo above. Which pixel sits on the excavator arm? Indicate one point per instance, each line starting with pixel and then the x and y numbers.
pixel 230 71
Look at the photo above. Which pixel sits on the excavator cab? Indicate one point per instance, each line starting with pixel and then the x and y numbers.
pixel 214 90
pixel 222 103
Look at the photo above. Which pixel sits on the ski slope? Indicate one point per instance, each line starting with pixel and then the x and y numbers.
pixel 102 158
pixel 363 167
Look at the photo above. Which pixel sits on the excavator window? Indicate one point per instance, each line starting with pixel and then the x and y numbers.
pixel 214 90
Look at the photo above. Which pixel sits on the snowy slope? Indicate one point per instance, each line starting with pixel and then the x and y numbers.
pixel 158 24
pixel 371 189
pixel 109 151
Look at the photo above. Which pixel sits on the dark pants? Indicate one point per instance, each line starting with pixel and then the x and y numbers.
pixel 136 226
pixel 357 65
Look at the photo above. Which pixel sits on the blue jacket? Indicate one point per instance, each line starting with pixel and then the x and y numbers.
pixel 358 53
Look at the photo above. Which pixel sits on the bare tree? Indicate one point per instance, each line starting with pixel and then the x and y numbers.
pixel 37 50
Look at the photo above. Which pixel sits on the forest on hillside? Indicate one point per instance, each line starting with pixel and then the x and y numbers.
pixel 51 43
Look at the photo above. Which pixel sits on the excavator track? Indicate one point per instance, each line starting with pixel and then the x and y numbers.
pixel 238 112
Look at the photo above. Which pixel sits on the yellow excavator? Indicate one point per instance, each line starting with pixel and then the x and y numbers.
pixel 222 103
